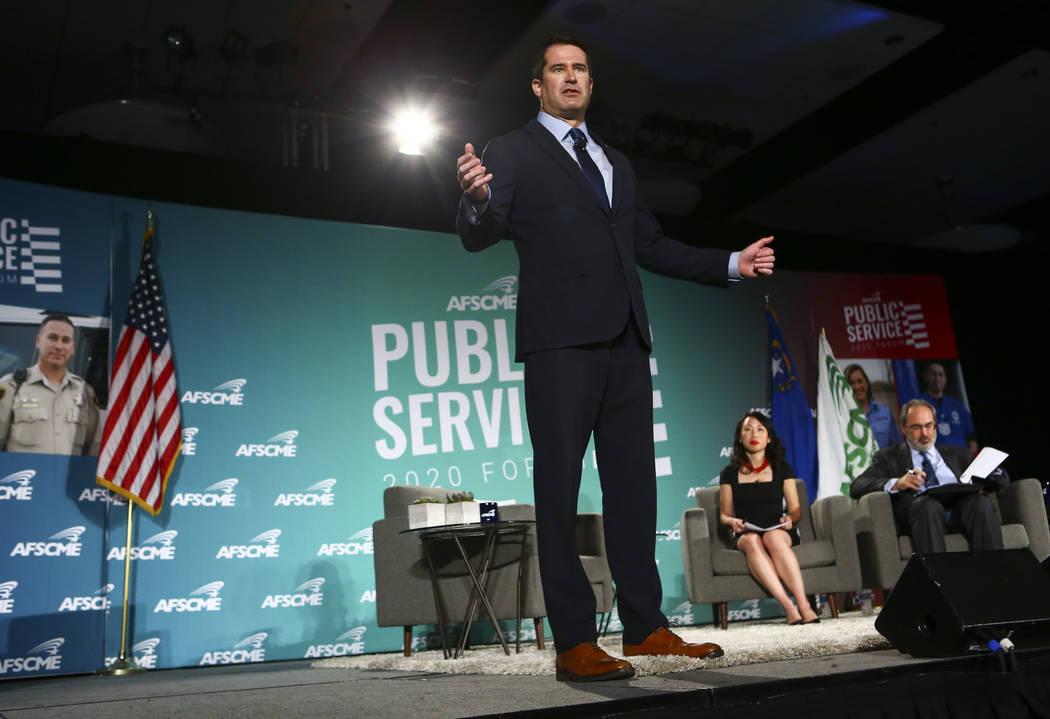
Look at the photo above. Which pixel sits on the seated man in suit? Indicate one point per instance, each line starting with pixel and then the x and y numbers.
pixel 906 470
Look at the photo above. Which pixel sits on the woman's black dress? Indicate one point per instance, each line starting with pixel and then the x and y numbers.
pixel 760 503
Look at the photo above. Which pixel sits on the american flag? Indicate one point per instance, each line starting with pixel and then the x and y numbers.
pixel 143 432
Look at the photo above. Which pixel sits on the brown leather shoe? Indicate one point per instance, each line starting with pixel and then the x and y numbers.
pixel 663 641
pixel 587 662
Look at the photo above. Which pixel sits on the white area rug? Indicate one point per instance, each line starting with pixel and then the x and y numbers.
pixel 744 643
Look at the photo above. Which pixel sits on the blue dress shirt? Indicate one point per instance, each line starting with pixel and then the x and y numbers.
pixel 944 473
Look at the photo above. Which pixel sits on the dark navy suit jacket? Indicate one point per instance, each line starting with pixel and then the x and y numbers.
pixel 896 460
pixel 578 277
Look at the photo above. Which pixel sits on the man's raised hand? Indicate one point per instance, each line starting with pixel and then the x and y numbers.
pixel 471 175
pixel 757 259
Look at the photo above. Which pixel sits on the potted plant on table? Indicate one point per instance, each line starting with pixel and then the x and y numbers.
pixel 426 512
pixel 462 509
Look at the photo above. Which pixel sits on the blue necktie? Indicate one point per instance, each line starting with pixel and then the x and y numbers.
pixel 590 170
pixel 927 467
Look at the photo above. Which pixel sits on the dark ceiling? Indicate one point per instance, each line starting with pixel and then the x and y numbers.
pixel 909 123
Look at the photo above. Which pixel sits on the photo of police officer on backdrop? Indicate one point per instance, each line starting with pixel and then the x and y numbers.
pixel 942 386
pixel 46 406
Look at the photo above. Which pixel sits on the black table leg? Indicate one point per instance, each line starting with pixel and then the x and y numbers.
pixel 478 591
pixel 439 600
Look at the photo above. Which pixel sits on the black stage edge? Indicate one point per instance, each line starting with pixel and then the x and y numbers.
pixel 882 683
pixel 960 687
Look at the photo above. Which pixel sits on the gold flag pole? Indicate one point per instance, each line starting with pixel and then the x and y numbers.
pixel 123 665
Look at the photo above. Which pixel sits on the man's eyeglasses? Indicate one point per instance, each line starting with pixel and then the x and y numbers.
pixel 920 427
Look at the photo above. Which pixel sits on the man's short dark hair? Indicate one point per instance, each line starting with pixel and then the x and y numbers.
pixel 541 58
pixel 57 318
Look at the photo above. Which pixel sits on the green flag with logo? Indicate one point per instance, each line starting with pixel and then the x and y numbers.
pixel 845 444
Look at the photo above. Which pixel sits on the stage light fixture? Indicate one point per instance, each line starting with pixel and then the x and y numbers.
pixel 412 131
pixel 177 39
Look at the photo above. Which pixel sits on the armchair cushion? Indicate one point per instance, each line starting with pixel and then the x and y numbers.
pixel 818 553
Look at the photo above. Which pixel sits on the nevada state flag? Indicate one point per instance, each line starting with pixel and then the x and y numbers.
pixel 792 419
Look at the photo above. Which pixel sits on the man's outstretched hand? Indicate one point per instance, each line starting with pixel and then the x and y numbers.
pixel 756 259
pixel 473 180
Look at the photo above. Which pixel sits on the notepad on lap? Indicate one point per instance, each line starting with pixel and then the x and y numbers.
pixel 756 528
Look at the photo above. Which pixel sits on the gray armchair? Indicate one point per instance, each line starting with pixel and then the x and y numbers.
pixel 717 574
pixel 404 593
pixel 883 553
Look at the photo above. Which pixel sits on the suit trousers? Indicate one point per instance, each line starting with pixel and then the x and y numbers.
pixel 605 389
pixel 925 519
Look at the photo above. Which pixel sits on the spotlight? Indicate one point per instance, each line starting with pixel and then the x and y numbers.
pixel 177 39
pixel 412 130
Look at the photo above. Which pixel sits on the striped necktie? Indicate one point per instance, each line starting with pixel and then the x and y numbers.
pixel 927 467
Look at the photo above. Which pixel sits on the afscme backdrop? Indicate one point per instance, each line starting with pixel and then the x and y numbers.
pixel 319 363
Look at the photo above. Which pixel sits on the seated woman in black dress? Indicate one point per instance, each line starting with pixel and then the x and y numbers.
pixel 754 489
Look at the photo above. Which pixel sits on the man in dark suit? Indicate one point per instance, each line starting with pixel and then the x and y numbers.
pixel 570 205
pixel 906 470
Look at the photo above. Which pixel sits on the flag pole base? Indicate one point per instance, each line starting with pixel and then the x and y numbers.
pixel 123 667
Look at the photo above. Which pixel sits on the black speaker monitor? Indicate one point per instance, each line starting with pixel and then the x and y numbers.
pixel 951 603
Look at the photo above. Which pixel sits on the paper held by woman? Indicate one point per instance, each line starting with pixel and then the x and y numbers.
pixel 756 528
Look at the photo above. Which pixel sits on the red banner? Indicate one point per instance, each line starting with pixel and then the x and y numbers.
pixel 887 316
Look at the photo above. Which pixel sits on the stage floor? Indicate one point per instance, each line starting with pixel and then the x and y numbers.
pixel 296 689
